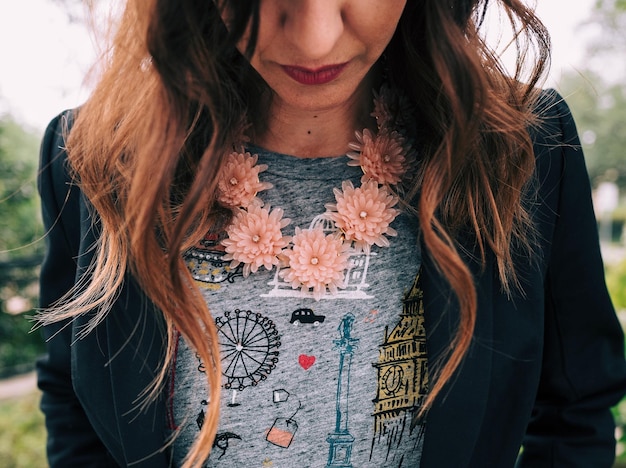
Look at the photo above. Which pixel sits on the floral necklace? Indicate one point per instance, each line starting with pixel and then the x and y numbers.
pixel 313 259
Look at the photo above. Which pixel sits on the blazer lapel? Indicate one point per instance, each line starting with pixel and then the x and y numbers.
pixel 454 421
pixel 115 363
pixel 136 340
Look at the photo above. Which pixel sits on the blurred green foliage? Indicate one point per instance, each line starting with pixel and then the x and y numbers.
pixel 616 282
pixel 22 433
pixel 20 221
pixel 611 16
pixel 21 247
pixel 600 113
pixel 596 93
pixel 19 347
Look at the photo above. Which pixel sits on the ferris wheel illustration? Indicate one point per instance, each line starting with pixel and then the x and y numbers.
pixel 249 343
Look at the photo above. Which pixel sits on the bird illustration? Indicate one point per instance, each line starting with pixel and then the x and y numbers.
pixel 222 440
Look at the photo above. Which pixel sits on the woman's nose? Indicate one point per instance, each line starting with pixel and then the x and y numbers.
pixel 314 26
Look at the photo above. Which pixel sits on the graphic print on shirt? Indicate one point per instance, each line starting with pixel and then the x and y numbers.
pixel 222 439
pixel 340 440
pixel 249 345
pixel 355 275
pixel 306 361
pixel 204 261
pixel 306 315
pixel 284 429
pixel 371 316
pixel 402 370
pixel 201 415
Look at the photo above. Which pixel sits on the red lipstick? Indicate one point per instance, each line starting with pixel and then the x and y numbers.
pixel 319 76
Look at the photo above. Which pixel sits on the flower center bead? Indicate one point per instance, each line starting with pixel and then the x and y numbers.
pixel 315 261
pixel 256 238
pixel 386 158
pixel 363 214
pixel 233 181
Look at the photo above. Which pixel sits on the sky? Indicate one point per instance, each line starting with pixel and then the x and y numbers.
pixel 44 57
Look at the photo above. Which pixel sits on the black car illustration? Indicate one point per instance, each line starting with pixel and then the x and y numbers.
pixel 306 315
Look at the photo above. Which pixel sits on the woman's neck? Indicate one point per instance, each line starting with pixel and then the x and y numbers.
pixel 317 132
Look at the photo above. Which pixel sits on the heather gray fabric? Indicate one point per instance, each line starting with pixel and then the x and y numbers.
pixel 308 383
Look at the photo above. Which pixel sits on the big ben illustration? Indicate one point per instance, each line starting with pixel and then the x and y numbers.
pixel 402 369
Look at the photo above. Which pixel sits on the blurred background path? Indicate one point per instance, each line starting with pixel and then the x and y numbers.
pixel 18 386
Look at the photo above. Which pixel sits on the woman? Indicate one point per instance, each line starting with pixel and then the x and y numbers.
pixel 223 281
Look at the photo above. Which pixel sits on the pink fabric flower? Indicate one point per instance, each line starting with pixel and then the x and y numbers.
pixel 364 214
pixel 239 134
pixel 316 261
pixel 381 157
pixel 238 181
pixel 392 109
pixel 382 111
pixel 255 238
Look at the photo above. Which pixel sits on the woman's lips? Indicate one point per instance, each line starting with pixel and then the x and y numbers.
pixel 319 76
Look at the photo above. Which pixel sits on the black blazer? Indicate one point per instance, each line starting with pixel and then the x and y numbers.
pixel 542 371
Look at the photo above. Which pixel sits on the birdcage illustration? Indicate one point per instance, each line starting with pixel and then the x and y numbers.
pixel 355 275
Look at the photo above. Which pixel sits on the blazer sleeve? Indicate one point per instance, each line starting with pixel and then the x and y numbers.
pixel 71 438
pixel 583 369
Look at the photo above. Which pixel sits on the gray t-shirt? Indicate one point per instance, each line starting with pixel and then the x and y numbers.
pixel 335 382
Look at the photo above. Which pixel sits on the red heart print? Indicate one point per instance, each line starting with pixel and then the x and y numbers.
pixel 306 361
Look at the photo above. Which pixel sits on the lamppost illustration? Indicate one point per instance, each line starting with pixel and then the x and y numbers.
pixel 341 440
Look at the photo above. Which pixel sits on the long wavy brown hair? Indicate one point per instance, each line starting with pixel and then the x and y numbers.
pixel 148 144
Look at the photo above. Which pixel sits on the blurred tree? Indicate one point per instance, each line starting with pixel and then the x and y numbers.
pixel 611 14
pixel 597 94
pixel 600 113
pixel 21 246
pixel 20 222
pixel 609 44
